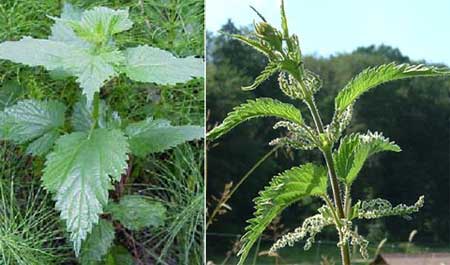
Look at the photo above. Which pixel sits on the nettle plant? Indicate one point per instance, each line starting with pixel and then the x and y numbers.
pixel 87 152
pixel 342 163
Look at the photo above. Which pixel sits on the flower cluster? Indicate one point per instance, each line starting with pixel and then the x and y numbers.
pixel 299 137
pixel 355 239
pixel 379 208
pixel 311 226
pixel 339 123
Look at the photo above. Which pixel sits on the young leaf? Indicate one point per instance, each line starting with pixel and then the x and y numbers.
pixel 64 33
pixel 355 149
pixel 375 76
pixel 260 107
pixel 284 24
pixel 254 44
pixel 99 24
pixel 92 70
pixel 98 242
pixel 149 64
pixel 82 119
pixel 137 212
pixel 284 190
pixel 151 136
pixel 270 69
pixel 33 120
pixel 79 172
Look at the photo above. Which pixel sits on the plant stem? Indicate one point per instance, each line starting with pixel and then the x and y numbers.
pixel 95 112
pixel 328 157
pixel 347 200
pixel 314 112
pixel 309 100
pixel 334 183
pixel 120 187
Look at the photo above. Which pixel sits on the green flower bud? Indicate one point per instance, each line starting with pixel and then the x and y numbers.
pixel 270 34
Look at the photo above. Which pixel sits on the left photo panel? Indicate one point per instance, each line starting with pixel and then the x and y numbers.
pixel 102 132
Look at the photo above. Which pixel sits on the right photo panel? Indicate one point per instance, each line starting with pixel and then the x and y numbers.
pixel 328 132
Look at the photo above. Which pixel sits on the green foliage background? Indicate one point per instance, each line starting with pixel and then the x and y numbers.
pixel 173 25
pixel 414 113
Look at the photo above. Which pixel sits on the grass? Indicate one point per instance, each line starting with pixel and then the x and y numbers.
pixel 175 177
pixel 178 184
pixel 30 230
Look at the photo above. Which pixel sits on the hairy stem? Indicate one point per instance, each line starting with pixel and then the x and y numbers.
pixel 309 100
pixel 314 112
pixel 328 157
pixel 347 201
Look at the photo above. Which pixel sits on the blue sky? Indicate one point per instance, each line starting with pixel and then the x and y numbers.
pixel 419 28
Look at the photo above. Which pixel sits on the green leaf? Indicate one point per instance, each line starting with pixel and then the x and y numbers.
pixel 355 149
pixel 10 92
pixel 91 70
pixel 284 190
pixel 149 64
pixel 43 144
pixel 30 120
pixel 137 212
pixel 255 44
pixel 99 24
pixel 152 136
pixel 46 53
pixel 260 107
pixel 98 242
pixel 375 76
pixel 82 120
pixel 79 171
pixel 270 69
pixel 118 255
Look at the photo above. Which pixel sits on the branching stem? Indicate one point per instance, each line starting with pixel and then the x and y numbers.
pixel 326 150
